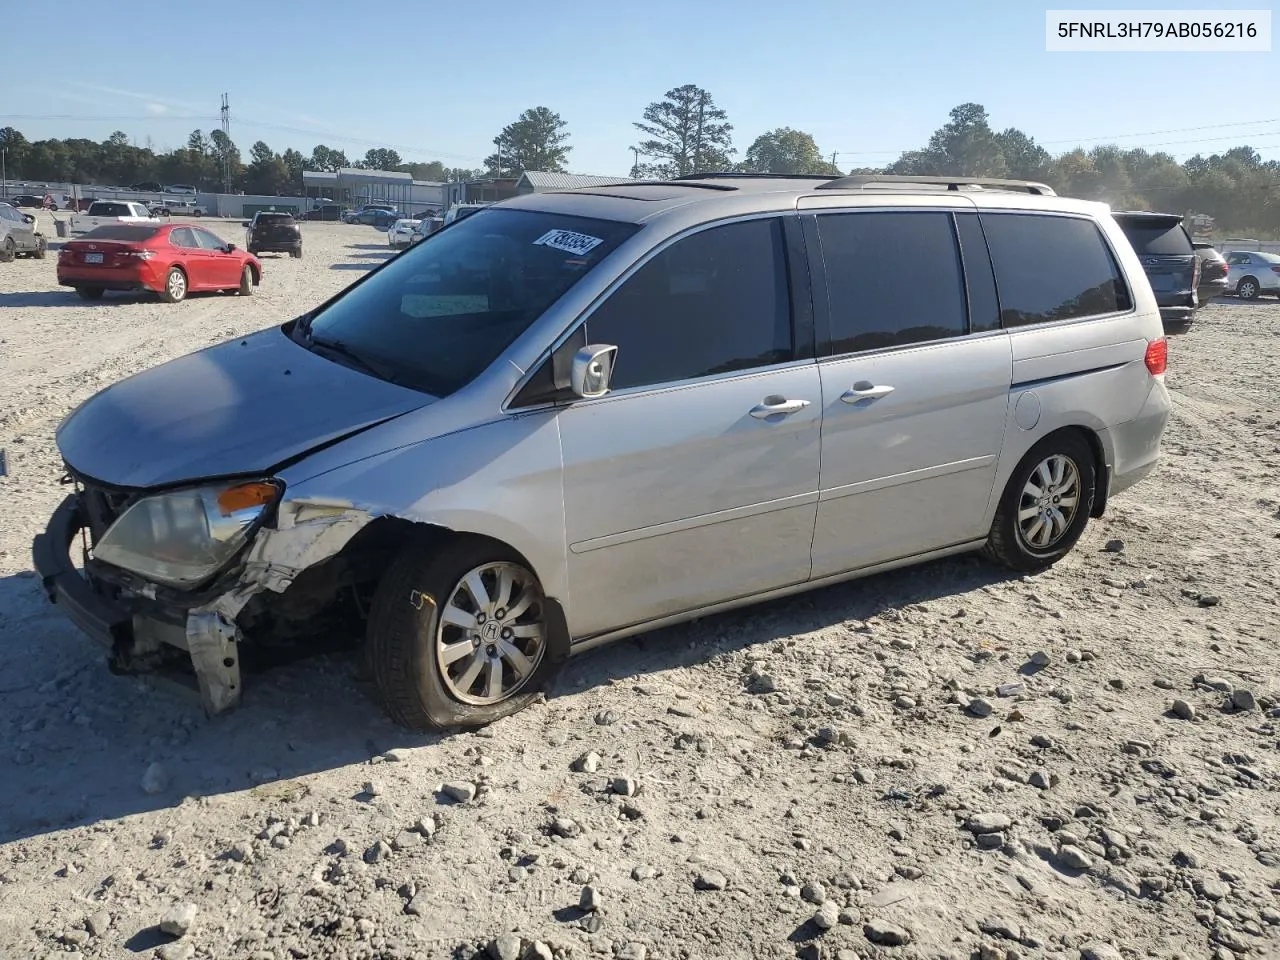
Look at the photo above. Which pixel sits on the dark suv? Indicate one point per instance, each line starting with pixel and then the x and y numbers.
pixel 1164 249
pixel 1213 273
pixel 272 232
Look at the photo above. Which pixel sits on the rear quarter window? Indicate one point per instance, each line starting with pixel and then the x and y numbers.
pixel 1051 268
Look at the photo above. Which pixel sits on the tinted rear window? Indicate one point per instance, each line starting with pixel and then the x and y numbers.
pixel 122 231
pixel 1156 239
pixel 275 218
pixel 1052 268
pixel 101 209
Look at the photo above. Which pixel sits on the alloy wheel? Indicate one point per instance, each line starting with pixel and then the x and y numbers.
pixel 492 633
pixel 1050 499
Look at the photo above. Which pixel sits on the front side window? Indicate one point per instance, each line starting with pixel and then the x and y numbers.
pixel 1051 268
pixel 714 302
pixel 892 279
pixel 439 314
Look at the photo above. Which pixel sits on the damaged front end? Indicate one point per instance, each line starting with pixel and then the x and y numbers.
pixel 188 574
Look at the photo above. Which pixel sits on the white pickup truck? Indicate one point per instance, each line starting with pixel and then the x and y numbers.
pixel 102 212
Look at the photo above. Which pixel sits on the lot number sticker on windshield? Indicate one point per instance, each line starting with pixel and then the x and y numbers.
pixel 568 241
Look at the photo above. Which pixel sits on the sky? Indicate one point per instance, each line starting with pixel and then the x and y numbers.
pixel 868 81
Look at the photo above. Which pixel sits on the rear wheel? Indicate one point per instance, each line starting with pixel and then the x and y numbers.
pixel 1247 288
pixel 1044 508
pixel 246 281
pixel 175 286
pixel 458 637
pixel 296 254
pixel 9 251
pixel 89 293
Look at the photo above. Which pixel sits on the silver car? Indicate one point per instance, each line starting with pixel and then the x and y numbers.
pixel 587 414
pixel 20 234
pixel 1250 274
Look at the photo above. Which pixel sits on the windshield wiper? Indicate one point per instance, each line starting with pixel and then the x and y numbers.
pixel 355 359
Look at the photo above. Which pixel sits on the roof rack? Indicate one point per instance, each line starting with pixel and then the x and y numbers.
pixel 951 183
pixel 737 175
pixel 653 183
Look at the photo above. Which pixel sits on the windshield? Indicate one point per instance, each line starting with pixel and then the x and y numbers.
pixel 440 313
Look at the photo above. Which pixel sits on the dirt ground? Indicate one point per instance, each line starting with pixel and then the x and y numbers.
pixel 943 762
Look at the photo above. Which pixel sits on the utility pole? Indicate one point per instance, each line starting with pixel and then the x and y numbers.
pixel 834 168
pixel 4 175
pixel 226 152
pixel 635 167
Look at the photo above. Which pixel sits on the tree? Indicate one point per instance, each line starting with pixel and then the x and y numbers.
pixel 537 140
pixel 381 159
pixel 965 146
pixel 687 133
pixel 295 163
pixel 324 158
pixel 15 148
pixel 785 150
pixel 226 156
pixel 267 173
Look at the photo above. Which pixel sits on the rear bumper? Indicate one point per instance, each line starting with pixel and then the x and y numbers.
pixel 1135 444
pixel 104 621
pixel 112 278
pixel 276 246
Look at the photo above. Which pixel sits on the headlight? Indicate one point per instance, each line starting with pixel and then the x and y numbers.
pixel 185 536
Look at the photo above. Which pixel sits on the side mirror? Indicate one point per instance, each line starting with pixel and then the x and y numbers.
pixel 592 368
pixel 28 218
pixel 230 247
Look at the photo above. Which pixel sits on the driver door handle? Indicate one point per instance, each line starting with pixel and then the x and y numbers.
pixel 863 390
pixel 773 406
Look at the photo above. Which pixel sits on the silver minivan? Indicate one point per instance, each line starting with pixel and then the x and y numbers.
pixel 590 413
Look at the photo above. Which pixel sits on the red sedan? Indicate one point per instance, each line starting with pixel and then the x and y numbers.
pixel 169 259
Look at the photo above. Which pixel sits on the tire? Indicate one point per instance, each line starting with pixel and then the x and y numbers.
pixel 89 293
pixel 246 281
pixel 253 251
pixel 406 639
pixel 1248 288
pixel 42 248
pixel 296 254
pixel 9 252
pixel 175 286
pixel 1020 545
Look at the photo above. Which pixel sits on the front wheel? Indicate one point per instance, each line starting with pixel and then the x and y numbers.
pixel 42 247
pixel 175 286
pixel 1045 506
pixel 458 636
pixel 1247 289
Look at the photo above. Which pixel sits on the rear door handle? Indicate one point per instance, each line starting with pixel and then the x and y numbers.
pixel 864 390
pixel 772 406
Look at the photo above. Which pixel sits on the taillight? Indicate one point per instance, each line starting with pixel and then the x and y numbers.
pixel 138 254
pixel 1157 358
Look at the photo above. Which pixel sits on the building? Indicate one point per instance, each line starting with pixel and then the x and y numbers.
pixel 493 189
pixel 352 186
pixel 536 181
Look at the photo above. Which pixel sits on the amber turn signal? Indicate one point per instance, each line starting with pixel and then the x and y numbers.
pixel 244 496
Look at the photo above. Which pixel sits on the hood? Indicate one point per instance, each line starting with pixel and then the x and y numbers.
pixel 239 407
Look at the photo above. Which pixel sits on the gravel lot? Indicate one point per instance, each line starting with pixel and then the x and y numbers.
pixel 940 762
